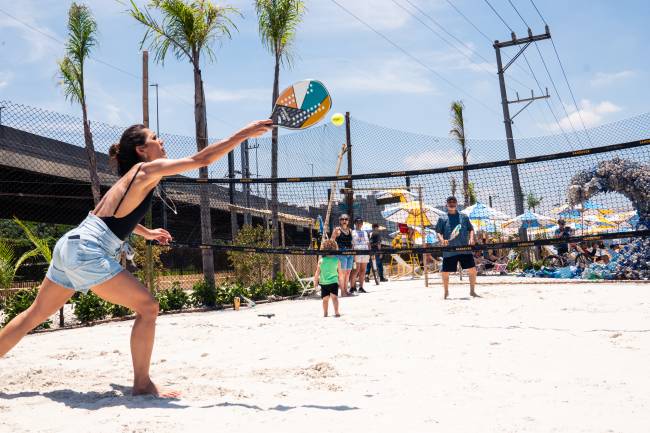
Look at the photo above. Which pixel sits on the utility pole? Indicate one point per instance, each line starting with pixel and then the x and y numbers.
pixel 507 120
pixel 245 173
pixel 313 192
pixel 350 194
pixel 163 207
pixel 149 277
pixel 234 227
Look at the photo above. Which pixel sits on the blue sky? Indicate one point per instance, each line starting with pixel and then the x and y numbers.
pixel 600 43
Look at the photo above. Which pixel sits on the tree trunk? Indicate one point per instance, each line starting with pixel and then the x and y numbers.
pixel 201 129
pixel 465 179
pixel 275 241
pixel 92 160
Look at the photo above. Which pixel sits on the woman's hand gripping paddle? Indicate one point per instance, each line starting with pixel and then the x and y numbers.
pixel 301 105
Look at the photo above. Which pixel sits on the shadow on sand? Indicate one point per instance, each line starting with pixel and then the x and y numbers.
pixel 92 400
pixel 121 396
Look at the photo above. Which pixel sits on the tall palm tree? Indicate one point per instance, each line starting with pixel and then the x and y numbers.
pixel 532 201
pixel 82 29
pixel 453 184
pixel 188 28
pixel 277 22
pixel 471 193
pixel 458 131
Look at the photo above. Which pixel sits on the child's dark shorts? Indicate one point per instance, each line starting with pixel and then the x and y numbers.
pixel 329 289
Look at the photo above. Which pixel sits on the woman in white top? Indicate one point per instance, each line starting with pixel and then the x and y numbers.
pixel 360 241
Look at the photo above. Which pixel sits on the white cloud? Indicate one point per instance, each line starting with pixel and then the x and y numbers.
pixel 5 78
pixel 39 46
pixel 606 78
pixel 451 59
pixel 325 16
pixel 394 75
pixel 246 94
pixel 592 115
pixel 432 158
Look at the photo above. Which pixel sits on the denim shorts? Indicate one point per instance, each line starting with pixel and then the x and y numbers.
pixel 346 262
pixel 86 256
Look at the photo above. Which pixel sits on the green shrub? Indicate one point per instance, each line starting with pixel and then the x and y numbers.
pixel 515 265
pixel 251 268
pixel 260 291
pixel 90 307
pixel 19 302
pixel 118 311
pixel 204 294
pixel 283 287
pixel 173 299
pixel 226 294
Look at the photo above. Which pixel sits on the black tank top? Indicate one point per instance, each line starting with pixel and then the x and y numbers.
pixel 122 227
pixel 344 240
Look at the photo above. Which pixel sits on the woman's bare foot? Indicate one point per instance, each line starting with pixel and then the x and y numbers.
pixel 446 294
pixel 152 389
pixel 474 295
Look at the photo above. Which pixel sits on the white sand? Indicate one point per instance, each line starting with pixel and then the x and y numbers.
pixel 524 358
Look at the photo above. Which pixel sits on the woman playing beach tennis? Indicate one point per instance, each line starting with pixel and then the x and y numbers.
pixel 85 258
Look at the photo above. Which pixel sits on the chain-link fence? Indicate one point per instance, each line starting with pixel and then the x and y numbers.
pixel 397 178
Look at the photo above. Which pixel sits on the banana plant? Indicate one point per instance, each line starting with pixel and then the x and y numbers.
pixel 41 247
pixel 7 264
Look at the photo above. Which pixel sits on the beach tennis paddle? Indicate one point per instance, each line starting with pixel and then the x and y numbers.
pixel 455 232
pixel 301 105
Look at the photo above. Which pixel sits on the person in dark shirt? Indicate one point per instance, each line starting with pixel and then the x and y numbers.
pixel 562 232
pixel 450 259
pixel 375 244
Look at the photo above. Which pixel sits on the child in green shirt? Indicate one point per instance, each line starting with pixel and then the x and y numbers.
pixel 327 275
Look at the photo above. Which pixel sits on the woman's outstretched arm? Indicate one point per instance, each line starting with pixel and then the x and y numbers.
pixel 169 167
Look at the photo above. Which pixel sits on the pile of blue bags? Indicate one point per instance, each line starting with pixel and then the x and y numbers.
pixel 631 263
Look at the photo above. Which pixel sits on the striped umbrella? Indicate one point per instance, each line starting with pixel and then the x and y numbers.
pixel 528 220
pixel 409 213
pixel 479 211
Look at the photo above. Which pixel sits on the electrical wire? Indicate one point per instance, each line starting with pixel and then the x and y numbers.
pixel 566 80
pixel 107 64
pixel 535 77
pixel 415 59
pixel 455 38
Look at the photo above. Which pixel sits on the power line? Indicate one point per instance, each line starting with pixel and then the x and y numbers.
pixel 517 10
pixel 470 22
pixel 548 73
pixel 500 17
pixel 549 104
pixel 491 74
pixel 538 12
pixel 98 60
pixel 566 80
pixel 490 40
pixel 454 37
pixel 412 57
pixel 535 77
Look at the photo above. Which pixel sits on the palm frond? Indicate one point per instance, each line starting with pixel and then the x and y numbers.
pixel 278 21
pixel 39 244
pixel 82 30
pixel 457 121
pixel 70 77
pixel 7 270
pixel 26 256
pixel 187 28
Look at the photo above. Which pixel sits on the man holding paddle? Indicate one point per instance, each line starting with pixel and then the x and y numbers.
pixel 456 230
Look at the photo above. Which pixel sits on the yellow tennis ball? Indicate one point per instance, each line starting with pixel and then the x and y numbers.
pixel 338 119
